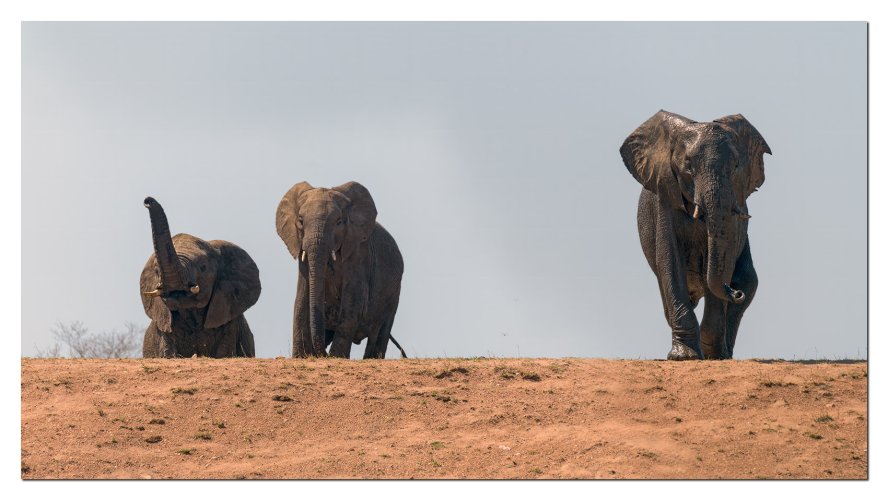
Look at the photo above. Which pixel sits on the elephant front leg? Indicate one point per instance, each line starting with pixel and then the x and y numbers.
pixel 685 329
pixel 352 301
pixel 151 342
pixel 167 346
pixel 677 305
pixel 342 339
pixel 302 344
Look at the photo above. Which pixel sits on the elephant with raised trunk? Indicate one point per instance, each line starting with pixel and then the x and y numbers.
pixel 349 270
pixel 195 293
pixel 693 219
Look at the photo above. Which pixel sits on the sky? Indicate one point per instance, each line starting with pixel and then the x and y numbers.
pixel 491 151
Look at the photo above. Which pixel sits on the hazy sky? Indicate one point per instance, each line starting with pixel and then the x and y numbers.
pixel 491 150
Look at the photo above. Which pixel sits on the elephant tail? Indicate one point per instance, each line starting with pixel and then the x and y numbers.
pixel 403 354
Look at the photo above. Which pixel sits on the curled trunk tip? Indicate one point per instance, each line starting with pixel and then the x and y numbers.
pixel 736 296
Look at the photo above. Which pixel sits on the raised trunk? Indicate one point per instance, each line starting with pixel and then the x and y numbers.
pixel 167 260
pixel 722 253
pixel 316 265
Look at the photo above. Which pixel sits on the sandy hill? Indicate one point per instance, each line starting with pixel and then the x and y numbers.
pixel 443 418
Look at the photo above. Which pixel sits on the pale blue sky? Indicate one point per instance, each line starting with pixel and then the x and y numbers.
pixel 491 150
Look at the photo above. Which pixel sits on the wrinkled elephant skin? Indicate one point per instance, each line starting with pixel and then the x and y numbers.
pixel 693 220
pixel 350 270
pixel 195 293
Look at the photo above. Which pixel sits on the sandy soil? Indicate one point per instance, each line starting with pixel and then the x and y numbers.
pixel 443 418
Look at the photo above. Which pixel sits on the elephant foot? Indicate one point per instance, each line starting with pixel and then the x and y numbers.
pixel 681 352
pixel 710 352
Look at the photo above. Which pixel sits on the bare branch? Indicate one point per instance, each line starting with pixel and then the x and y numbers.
pixel 82 344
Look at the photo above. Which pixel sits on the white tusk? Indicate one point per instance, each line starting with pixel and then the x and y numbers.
pixel 154 293
pixel 195 289
pixel 303 256
pixel 696 211
pixel 333 254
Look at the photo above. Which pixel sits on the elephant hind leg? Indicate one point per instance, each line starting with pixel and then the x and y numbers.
pixel 381 340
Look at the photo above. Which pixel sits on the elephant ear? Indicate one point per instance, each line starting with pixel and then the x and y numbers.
pixel 752 148
pixel 237 284
pixel 650 151
pixel 287 214
pixel 361 215
pixel 154 306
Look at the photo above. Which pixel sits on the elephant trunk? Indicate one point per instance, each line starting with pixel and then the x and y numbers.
pixel 722 247
pixel 317 261
pixel 171 272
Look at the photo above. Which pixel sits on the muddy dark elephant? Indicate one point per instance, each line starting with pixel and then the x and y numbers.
pixel 195 293
pixel 349 270
pixel 693 219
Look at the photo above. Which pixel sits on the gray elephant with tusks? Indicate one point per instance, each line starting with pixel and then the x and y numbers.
pixel 195 293
pixel 349 270
pixel 693 220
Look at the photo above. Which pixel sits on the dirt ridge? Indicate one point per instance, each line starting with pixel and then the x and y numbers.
pixel 443 418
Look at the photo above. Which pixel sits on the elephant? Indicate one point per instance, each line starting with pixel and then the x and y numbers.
pixel 693 221
pixel 349 279
pixel 195 293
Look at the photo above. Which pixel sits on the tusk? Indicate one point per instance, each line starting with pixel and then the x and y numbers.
pixel 153 293
pixel 303 256
pixel 740 212
pixel 333 254
pixel 696 211
pixel 195 289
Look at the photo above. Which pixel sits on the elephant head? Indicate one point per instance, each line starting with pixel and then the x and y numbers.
pixel 215 277
pixel 324 227
pixel 706 170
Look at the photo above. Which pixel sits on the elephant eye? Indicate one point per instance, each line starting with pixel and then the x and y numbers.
pixel 339 222
pixel 203 267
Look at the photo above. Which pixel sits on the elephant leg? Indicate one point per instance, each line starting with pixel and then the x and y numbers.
pixel 341 345
pixel 677 304
pixel 385 333
pixel 371 351
pixel 382 340
pixel 746 279
pixel 245 347
pixel 166 347
pixel 346 332
pixel 712 330
pixel 681 319
pixel 151 342
pixel 302 344
pixel 656 230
